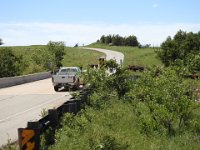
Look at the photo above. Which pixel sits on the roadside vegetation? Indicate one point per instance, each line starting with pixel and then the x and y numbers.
pixel 158 110
pixel 22 60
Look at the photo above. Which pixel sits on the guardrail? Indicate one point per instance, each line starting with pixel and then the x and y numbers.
pixel 11 81
pixel 29 137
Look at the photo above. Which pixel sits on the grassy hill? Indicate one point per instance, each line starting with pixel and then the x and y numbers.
pixel 80 57
pixel 134 55
pixel 73 57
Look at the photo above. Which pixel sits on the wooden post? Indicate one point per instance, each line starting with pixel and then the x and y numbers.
pixel 70 108
pixel 78 103
pixel 53 118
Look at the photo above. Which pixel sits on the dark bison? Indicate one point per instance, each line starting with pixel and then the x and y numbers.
pixel 192 76
pixel 135 68
pixel 94 66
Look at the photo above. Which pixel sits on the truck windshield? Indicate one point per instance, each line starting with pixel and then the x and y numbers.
pixel 68 71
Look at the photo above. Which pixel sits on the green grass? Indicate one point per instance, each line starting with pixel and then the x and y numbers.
pixel 115 127
pixel 80 57
pixel 73 57
pixel 77 56
pixel 134 55
pixel 25 51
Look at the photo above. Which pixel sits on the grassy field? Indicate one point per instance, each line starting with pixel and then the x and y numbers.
pixel 73 57
pixel 80 57
pixel 134 55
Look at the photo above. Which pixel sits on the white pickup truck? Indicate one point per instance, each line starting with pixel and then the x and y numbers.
pixel 67 77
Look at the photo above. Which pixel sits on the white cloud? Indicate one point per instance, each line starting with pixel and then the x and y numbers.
pixel 155 5
pixel 40 33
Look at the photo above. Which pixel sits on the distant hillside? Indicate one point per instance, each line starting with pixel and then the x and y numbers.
pixel 34 58
pixel 134 55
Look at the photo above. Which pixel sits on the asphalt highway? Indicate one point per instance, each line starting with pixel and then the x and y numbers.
pixel 22 103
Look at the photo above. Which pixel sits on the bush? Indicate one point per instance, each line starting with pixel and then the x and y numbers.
pixel 185 47
pixel 56 49
pixel 93 129
pixel 9 63
pixel 166 100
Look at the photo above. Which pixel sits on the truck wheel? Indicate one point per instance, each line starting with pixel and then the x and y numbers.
pixel 56 88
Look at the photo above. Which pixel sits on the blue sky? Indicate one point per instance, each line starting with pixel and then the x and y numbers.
pixel 26 22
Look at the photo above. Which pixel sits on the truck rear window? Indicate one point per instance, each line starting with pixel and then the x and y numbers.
pixel 68 71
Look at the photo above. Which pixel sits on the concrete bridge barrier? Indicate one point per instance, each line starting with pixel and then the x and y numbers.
pixel 12 81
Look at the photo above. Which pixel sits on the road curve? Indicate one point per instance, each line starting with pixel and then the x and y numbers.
pixel 119 57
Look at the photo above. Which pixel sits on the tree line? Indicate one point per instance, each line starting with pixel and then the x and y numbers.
pixel 118 40
pixel 181 50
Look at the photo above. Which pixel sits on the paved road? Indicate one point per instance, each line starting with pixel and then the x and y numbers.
pixel 110 54
pixel 22 103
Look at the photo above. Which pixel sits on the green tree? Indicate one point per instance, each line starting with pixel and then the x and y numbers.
pixel 117 40
pixel 180 37
pixel 121 82
pixel 111 64
pixel 9 63
pixel 43 58
pixel 1 42
pixel 102 39
pixel 193 62
pixel 169 52
pixel 57 49
pixel 164 103
pixel 108 39
pixel 180 47
pixel 131 41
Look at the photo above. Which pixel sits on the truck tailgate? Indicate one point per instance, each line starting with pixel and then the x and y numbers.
pixel 63 78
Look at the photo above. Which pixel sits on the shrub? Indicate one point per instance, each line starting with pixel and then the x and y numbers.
pixel 9 63
pixel 168 102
